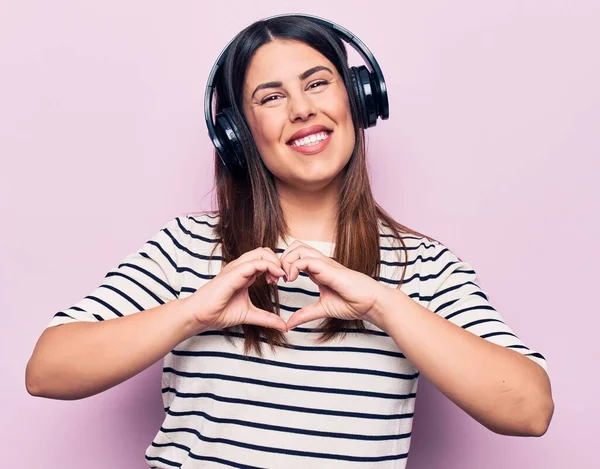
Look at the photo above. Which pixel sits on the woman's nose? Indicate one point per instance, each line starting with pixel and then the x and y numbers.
pixel 302 107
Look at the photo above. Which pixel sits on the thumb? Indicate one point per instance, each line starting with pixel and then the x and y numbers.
pixel 308 313
pixel 260 317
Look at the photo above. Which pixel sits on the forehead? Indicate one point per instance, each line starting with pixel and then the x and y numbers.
pixel 282 60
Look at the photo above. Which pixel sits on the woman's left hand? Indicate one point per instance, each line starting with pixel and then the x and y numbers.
pixel 344 293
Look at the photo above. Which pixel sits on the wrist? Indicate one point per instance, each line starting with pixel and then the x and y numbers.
pixel 188 313
pixel 389 302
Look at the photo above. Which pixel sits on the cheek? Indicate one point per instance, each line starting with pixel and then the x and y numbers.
pixel 346 117
pixel 267 130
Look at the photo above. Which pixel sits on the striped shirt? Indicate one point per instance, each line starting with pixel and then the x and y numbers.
pixel 344 403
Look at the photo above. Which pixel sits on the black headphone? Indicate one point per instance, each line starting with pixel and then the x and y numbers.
pixel 369 88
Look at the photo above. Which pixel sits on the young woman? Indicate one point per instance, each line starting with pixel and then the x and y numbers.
pixel 295 320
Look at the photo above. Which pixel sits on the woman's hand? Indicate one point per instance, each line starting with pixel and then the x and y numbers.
pixel 224 301
pixel 345 293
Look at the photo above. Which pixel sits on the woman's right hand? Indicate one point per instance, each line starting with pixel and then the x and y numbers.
pixel 224 301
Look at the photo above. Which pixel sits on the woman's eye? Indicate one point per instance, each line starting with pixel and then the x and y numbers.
pixel 269 99
pixel 317 83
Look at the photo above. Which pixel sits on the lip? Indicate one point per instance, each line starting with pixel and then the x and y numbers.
pixel 313 129
pixel 311 150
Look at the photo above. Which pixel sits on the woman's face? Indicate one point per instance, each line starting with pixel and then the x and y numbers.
pixel 290 88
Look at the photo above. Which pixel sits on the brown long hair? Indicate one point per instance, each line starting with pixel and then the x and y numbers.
pixel 250 215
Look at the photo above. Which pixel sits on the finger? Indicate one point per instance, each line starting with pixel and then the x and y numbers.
pixel 250 281
pixel 317 269
pixel 260 317
pixel 243 275
pixel 291 247
pixel 308 313
pixel 288 260
pixel 258 253
pixel 291 253
pixel 271 280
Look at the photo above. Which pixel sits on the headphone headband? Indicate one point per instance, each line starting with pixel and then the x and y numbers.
pixel 370 88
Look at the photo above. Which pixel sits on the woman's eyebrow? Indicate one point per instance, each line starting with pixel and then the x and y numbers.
pixel 310 71
pixel 302 76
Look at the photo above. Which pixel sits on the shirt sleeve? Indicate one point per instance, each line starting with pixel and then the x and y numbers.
pixel 457 296
pixel 144 279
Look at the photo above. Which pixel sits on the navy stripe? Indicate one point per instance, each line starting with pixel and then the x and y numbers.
pixel 202 458
pixel 481 321
pixel 463 298
pixel 289 408
pixel 162 460
pixel 297 387
pixel 408 248
pixel 203 222
pixel 161 282
pixel 350 331
pixel 415 260
pixel 292 452
pixel 196 236
pixel 294 366
pixel 105 304
pixel 523 347
pixel 423 278
pixel 299 290
pixel 445 305
pixel 76 308
pixel 124 295
pixel 240 335
pixel 299 431
pixel 162 250
pixel 61 314
pixel 455 287
pixel 471 308
pixel 189 251
pixel 494 334
pixel 197 274
pixel 154 296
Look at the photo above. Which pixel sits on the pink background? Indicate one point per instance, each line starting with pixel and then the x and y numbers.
pixel 492 147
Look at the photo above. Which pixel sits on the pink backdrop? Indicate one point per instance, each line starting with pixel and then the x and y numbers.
pixel 492 147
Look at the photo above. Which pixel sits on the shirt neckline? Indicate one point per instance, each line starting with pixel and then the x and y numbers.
pixel 323 246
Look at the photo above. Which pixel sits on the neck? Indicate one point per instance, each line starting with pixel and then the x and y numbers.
pixel 310 215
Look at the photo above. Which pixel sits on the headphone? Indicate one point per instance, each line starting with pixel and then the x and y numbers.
pixel 368 86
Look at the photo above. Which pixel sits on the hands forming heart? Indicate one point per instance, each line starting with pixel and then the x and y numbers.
pixel 344 293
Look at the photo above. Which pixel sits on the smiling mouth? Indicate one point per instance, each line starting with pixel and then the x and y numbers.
pixel 311 144
pixel 310 139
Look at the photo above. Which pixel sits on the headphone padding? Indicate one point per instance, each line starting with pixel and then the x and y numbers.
pixel 230 132
pixel 358 92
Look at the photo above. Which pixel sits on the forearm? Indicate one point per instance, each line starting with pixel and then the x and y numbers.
pixel 77 360
pixel 500 388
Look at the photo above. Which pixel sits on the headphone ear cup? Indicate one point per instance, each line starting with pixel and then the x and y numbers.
pixel 367 93
pixel 358 92
pixel 227 130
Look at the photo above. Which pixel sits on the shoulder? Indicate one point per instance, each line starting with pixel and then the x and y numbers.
pixel 413 244
pixel 426 259
pixel 194 230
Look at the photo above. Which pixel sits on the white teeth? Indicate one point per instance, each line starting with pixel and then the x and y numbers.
pixel 310 140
